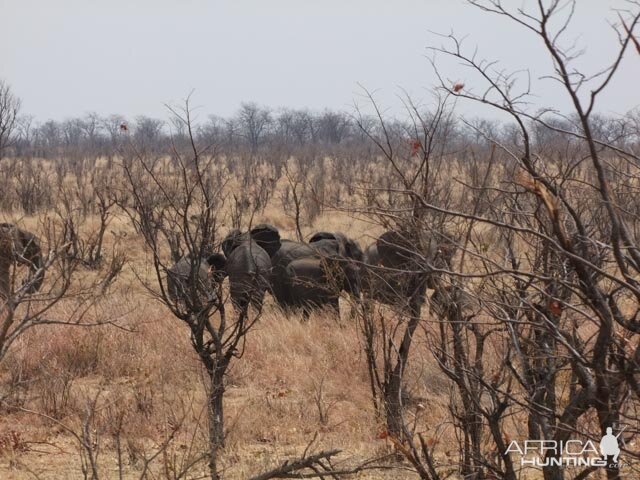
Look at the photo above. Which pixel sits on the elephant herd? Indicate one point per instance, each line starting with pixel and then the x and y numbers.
pixel 311 275
pixel 299 275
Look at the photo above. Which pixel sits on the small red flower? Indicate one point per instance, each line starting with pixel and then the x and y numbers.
pixel 415 147
pixel 555 307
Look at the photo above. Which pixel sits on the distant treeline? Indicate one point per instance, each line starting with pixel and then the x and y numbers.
pixel 257 129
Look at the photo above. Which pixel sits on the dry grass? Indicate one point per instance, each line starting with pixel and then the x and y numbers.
pixel 290 375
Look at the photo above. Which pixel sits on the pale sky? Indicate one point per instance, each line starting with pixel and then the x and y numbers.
pixel 68 57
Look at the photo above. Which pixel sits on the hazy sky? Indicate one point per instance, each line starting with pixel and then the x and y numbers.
pixel 68 57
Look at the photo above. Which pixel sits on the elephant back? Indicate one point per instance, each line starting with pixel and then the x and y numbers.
pixel 248 257
pixel 249 270
pixel 307 270
pixel 288 252
pixel 291 250
pixel 316 237
pixel 326 247
pixel 308 282
pixel 178 278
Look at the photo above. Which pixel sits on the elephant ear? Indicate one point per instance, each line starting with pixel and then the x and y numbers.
pixel 217 261
pixel 268 237
pixel 231 241
pixel 395 249
pixel 316 237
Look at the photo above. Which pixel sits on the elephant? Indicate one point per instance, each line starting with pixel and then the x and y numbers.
pixel 179 280
pixel 315 282
pixel 330 243
pixel 265 235
pixel 19 247
pixel 313 274
pixel 289 251
pixel 397 273
pixel 244 261
pixel 268 237
pixel 247 263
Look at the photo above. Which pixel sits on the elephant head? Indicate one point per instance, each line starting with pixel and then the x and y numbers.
pixel 265 235
pixel 268 237
pixel 337 243
pixel 20 247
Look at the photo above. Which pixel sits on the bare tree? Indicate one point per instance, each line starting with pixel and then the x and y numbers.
pixel 188 202
pixel 414 169
pixel 254 122
pixel 9 109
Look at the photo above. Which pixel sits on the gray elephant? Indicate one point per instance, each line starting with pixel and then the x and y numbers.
pixel 289 251
pixel 399 270
pixel 313 275
pixel 181 277
pixel 336 243
pixel 316 282
pixel 247 263
pixel 19 247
